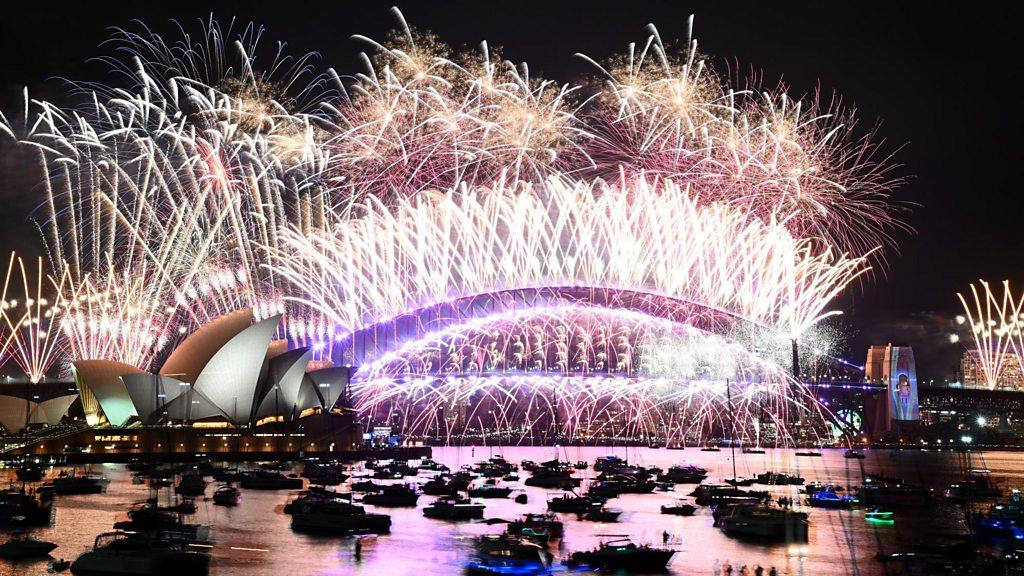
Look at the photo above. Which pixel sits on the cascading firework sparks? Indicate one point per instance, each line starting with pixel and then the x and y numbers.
pixel 31 319
pixel 996 320
pixel 204 182
pixel 596 373
pixel 375 263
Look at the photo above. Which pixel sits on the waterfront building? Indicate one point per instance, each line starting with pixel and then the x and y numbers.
pixel 1010 377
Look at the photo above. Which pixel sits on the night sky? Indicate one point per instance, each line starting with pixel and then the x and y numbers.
pixel 939 79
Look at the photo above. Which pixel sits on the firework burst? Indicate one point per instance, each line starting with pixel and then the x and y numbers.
pixel 31 319
pixel 996 320
pixel 205 182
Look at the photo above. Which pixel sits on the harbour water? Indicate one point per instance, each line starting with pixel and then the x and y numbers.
pixel 255 539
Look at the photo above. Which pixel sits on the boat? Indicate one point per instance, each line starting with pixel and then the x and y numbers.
pixel 679 508
pixel 313 497
pixel 779 479
pixel 542 527
pixel 688 474
pixel 812 453
pixel 507 554
pixel 29 472
pixel 573 503
pixel 461 480
pixel 228 475
pixel 853 453
pixel 740 481
pixel 720 511
pixel 265 480
pixel 396 495
pixel 367 486
pixel 227 496
pixel 496 467
pixel 23 546
pixel 813 487
pixel 829 499
pixel 121 553
pixel 893 492
pixel 327 474
pixel 711 449
pixel 152 519
pixel 66 485
pixel 635 472
pixel 191 485
pixel 602 515
pixel 622 554
pixel 875 514
pixel 609 463
pixel 581 465
pixel 276 466
pixel 436 486
pixel 20 508
pixel 489 491
pixel 337 517
pixel 753 450
pixel 454 508
pixel 707 494
pixel 327 478
pixel 433 466
pixel 767 522
pixel 614 485
pixel 976 485
pixel 545 477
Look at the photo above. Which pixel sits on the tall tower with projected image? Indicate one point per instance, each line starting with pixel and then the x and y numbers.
pixel 894 366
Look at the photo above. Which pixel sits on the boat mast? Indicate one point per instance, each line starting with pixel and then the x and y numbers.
pixel 732 428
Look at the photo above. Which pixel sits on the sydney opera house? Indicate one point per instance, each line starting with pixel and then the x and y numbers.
pixel 228 387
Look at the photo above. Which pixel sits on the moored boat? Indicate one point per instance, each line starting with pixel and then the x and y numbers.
pixel 621 553
pixel 688 474
pixel 489 491
pixel 602 515
pixel 191 484
pixel 22 546
pixel 29 472
pixel 829 499
pixel 875 514
pixel 893 492
pixel 337 517
pixel 679 508
pixel 395 495
pixel 266 480
pixel 573 503
pixel 767 522
pixel 67 485
pixel 227 496
pixel 779 479
pixel 121 553
pixel 454 508
pixel 508 554
pixel 20 508
pixel 541 527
